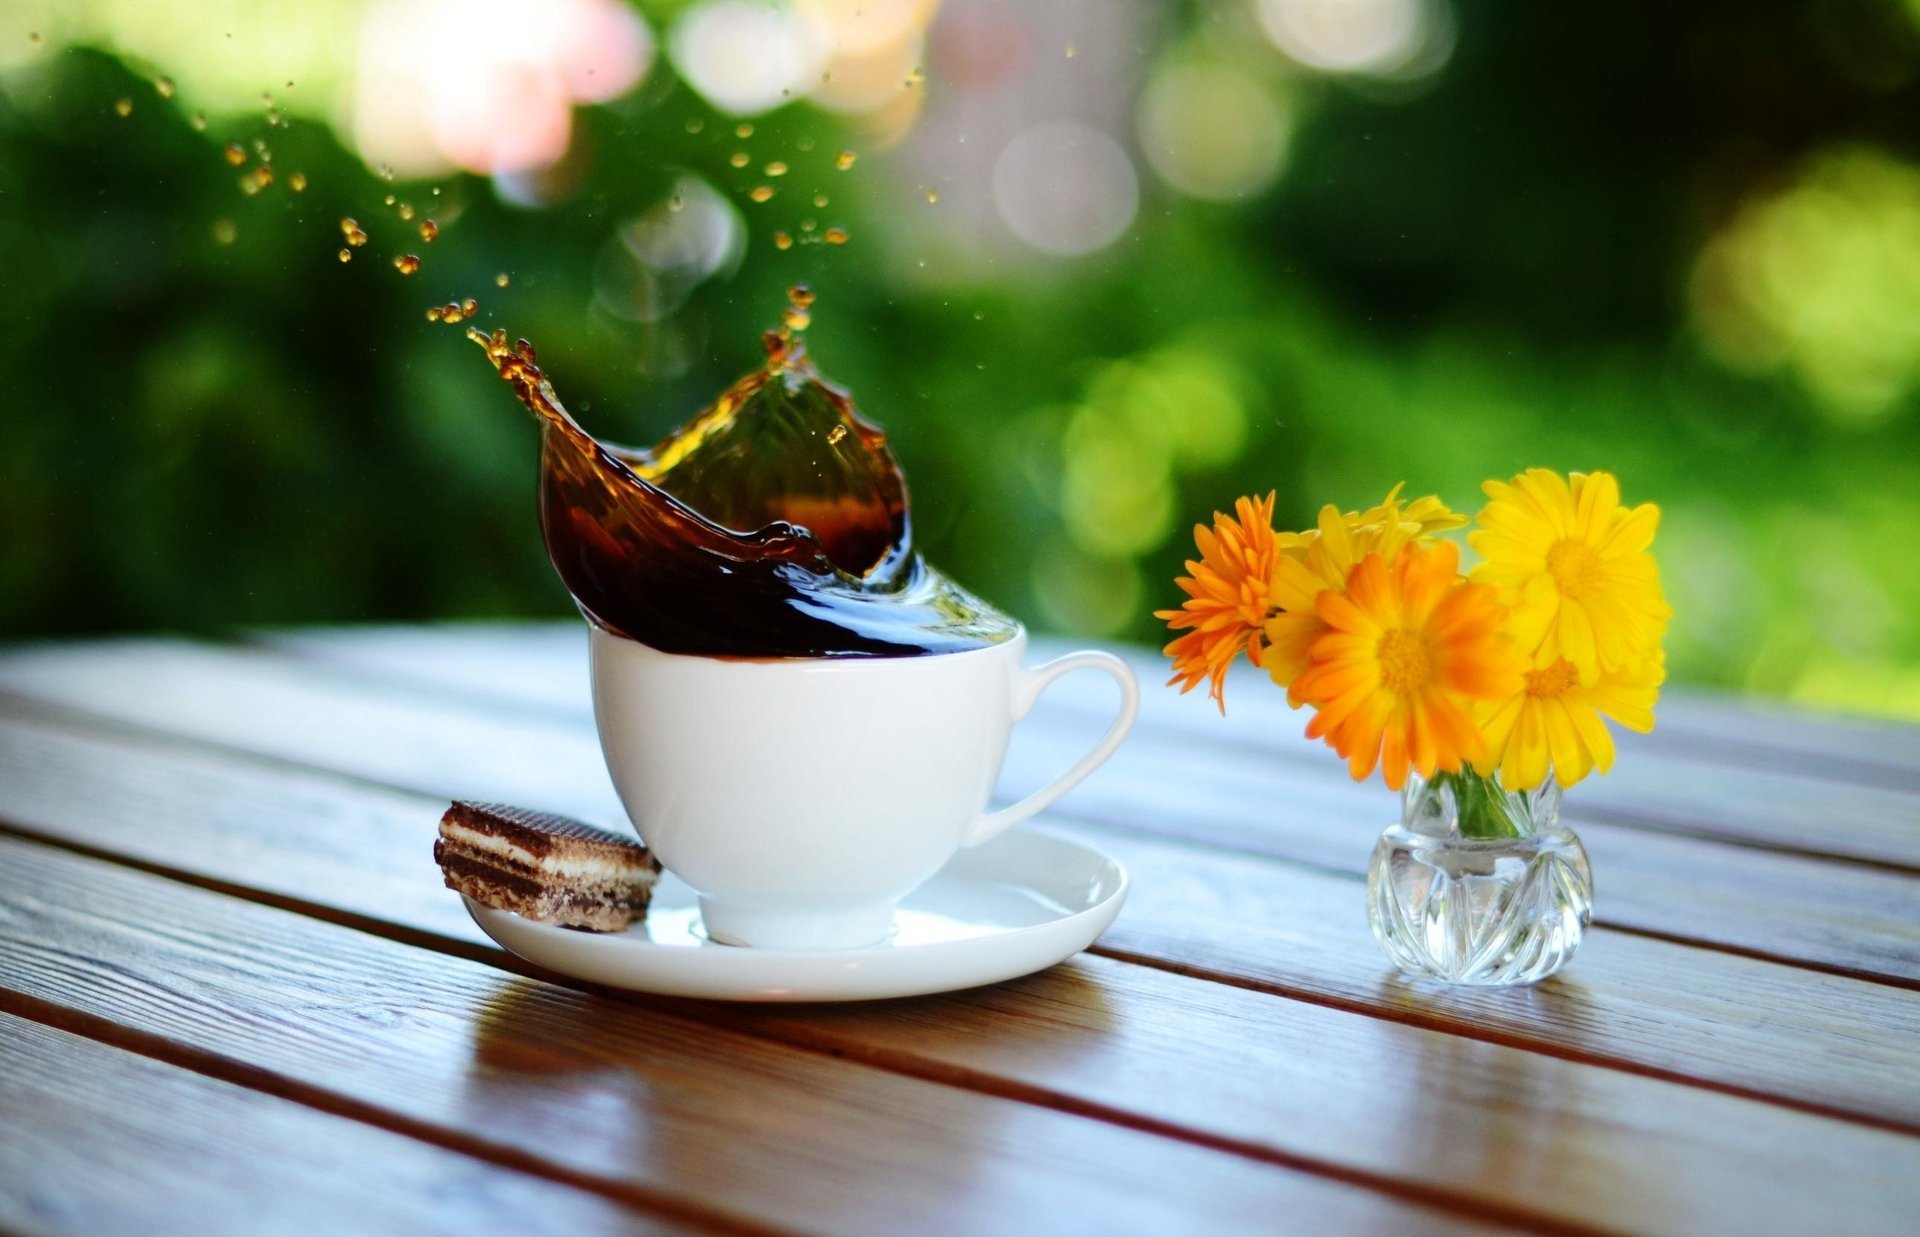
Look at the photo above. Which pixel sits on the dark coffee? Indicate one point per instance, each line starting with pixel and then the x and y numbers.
pixel 774 524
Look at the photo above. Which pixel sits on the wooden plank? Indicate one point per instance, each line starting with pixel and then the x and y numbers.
pixel 98 1140
pixel 1699 727
pixel 1846 918
pixel 596 1089
pixel 545 663
pixel 1099 1036
pixel 1656 787
pixel 1863 923
pixel 1718 765
pixel 1825 1043
pixel 1842 916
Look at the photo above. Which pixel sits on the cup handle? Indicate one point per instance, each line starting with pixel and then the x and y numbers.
pixel 1027 686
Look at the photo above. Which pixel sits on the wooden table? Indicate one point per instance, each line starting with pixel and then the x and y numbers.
pixel 234 994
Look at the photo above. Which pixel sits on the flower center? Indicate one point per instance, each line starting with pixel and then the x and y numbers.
pixel 1405 665
pixel 1574 566
pixel 1556 680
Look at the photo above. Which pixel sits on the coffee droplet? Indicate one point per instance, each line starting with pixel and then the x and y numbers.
pixel 835 434
pixel 501 280
pixel 256 180
pixel 433 313
pixel 694 126
pixel 933 195
pixel 429 231
pixel 776 168
pixel 795 318
pixel 163 86
pixel 350 228
pixel 745 130
pixel 836 236
pixel 450 312
pixel 819 199
pixel 406 213
pixel 406 263
pixel 469 307
pixel 739 159
pixel 236 154
pixel 808 225
pixel 800 295
pixel 123 106
pixel 761 193
pixel 297 182
pixel 782 241
pixel 224 233
pixel 844 160
pixel 34 38
pixel 676 203
pixel 199 122
pixel 346 255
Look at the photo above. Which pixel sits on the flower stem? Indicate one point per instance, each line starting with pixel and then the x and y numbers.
pixel 1482 806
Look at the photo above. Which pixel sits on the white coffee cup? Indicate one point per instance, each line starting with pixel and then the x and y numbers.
pixel 802 798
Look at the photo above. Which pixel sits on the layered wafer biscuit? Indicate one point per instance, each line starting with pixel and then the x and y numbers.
pixel 545 867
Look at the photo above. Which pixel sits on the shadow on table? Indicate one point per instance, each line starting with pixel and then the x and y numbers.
pixel 531 1027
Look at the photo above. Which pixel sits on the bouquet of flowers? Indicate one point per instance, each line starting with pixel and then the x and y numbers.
pixel 1498 678
pixel 1481 693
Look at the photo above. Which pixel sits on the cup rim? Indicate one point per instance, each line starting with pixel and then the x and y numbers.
pixel 844 661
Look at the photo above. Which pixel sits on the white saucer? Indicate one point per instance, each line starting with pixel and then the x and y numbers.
pixel 1015 905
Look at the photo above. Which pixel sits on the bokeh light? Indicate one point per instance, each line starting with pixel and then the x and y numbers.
pixel 1357 259
pixel 657 259
pixel 1212 130
pixel 1378 37
pixel 488 85
pixel 747 56
pixel 1823 279
pixel 1065 188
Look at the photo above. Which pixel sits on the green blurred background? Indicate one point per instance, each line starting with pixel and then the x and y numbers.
pixel 1110 265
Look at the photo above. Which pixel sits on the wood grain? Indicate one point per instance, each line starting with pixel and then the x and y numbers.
pixel 646 1103
pixel 1650 791
pixel 544 664
pixel 1842 917
pixel 1367 1096
pixel 1829 1044
pixel 97 1140
pixel 1719 767
pixel 1165 781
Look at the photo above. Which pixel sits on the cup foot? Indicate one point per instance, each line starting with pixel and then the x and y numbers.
pixel 761 927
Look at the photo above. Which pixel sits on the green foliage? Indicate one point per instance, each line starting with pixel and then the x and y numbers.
pixel 1440 289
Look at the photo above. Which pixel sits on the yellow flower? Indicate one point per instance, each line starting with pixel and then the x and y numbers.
pixel 1323 557
pixel 1226 597
pixel 1570 554
pixel 1553 722
pixel 1407 651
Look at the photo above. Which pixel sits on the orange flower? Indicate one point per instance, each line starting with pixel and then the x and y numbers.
pixel 1321 557
pixel 1226 597
pixel 1408 647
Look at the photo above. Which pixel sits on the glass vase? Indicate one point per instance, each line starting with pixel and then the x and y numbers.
pixel 1479 885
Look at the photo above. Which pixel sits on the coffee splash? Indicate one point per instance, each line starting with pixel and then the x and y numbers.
pixel 774 524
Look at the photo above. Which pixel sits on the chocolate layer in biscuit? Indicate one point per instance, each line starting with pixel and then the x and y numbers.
pixel 544 866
